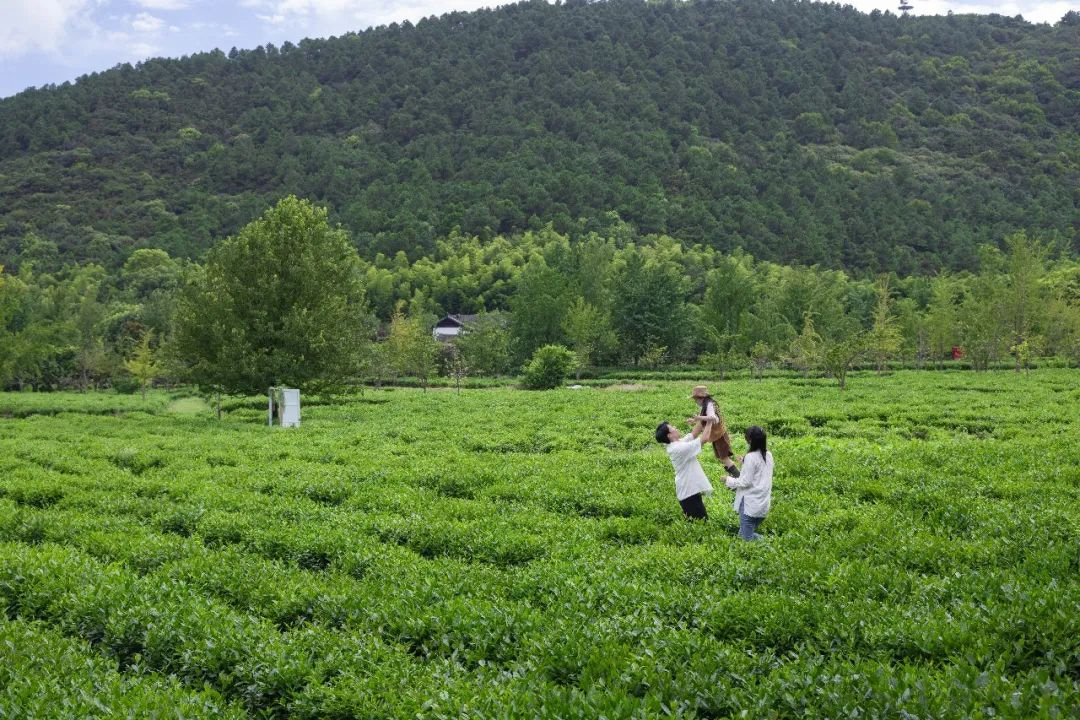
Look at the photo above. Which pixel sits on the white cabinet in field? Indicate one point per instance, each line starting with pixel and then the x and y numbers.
pixel 290 408
pixel 287 402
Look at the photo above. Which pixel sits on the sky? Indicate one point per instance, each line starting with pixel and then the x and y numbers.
pixel 52 41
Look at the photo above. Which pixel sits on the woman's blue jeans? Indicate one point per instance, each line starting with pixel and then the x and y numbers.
pixel 748 525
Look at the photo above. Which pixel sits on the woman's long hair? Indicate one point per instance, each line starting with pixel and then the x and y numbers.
pixel 756 437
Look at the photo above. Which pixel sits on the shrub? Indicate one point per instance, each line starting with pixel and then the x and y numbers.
pixel 533 561
pixel 548 367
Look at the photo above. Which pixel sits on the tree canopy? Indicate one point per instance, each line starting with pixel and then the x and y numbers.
pixel 645 183
pixel 279 303
pixel 799 132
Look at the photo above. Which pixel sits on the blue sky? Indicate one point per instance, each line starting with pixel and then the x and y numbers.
pixel 50 41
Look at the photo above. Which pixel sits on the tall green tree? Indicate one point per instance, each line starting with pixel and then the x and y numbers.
pixel 31 338
pixel 982 312
pixel 942 318
pixel 12 298
pixel 884 339
pixel 538 308
pixel 1063 311
pixel 914 331
pixel 822 293
pixel 411 348
pixel 805 352
pixel 589 330
pixel 149 270
pixel 280 303
pixel 143 364
pixel 484 344
pixel 1024 299
pixel 731 293
pixel 647 305
pixel 81 302
pixel 840 356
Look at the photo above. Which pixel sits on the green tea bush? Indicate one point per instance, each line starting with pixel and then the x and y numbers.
pixel 497 553
pixel 48 675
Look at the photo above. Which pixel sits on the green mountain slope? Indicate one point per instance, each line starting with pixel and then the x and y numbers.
pixel 800 132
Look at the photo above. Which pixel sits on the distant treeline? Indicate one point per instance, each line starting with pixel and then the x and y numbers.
pixel 800 133
pixel 614 299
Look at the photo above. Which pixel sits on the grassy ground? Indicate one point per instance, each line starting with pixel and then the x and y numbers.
pixel 500 553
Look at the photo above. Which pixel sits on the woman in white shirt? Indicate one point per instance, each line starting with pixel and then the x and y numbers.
pixel 753 487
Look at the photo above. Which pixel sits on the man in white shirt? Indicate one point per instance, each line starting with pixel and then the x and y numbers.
pixel 691 485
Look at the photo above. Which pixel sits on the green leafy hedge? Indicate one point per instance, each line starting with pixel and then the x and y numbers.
pixel 501 553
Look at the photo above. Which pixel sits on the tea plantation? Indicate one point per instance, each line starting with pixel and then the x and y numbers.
pixel 499 553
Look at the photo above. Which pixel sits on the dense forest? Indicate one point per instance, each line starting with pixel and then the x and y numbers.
pixel 738 184
pixel 800 133
pixel 650 303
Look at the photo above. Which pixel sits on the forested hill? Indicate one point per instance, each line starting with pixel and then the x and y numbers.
pixel 801 132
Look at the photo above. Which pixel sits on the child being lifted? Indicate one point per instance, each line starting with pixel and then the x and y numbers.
pixel 716 432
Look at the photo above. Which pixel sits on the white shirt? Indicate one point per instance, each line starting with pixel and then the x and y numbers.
pixel 711 412
pixel 754 484
pixel 689 477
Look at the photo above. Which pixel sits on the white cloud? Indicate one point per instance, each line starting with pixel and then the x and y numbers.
pixel 147 23
pixel 1043 12
pixel 1035 12
pixel 163 4
pixel 334 17
pixel 276 20
pixel 133 48
pixel 142 51
pixel 84 35
pixel 28 25
pixel 211 29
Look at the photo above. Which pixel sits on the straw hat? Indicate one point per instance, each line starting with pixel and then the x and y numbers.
pixel 699 392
